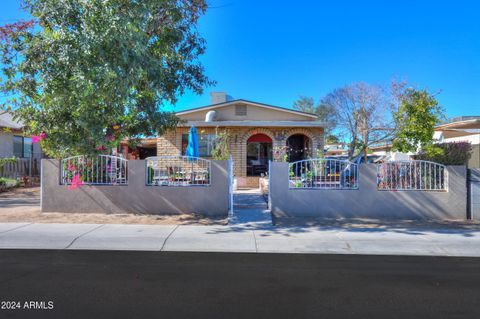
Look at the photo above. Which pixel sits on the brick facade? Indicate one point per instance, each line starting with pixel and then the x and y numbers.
pixel 167 145
pixel 171 142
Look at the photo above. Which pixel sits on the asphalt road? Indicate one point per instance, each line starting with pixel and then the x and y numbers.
pixel 105 284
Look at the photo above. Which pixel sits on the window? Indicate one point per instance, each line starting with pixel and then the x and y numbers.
pixel 22 146
pixel 27 147
pixel 206 143
pixel 18 146
pixel 240 110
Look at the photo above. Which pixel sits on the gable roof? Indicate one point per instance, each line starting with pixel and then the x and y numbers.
pixel 267 106
pixel 6 120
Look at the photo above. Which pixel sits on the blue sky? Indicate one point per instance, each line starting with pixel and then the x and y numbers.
pixel 275 51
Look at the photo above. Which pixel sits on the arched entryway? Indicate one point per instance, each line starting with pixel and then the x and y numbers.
pixel 259 152
pixel 298 147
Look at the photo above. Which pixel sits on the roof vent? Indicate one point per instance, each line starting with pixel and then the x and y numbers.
pixel 240 110
pixel 210 116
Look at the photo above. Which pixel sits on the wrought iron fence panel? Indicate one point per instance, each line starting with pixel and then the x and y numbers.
pixel 411 176
pixel 96 170
pixel 323 174
pixel 177 171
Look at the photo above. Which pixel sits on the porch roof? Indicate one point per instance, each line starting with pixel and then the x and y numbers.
pixel 254 123
pixel 7 121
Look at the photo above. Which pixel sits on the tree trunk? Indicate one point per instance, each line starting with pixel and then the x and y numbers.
pixel 351 148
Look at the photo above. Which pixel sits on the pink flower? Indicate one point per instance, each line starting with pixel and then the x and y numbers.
pixel 101 148
pixel 38 138
pixel 76 182
pixel 110 138
pixel 71 167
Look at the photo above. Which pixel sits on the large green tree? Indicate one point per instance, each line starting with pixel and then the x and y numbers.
pixel 89 73
pixel 417 115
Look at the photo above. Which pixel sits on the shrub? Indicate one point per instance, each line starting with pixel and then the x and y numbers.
pixel 7 160
pixel 220 150
pixel 6 183
pixel 452 154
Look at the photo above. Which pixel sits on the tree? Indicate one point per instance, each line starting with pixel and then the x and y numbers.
pixel 362 115
pixel 89 73
pixel 332 139
pixel 221 149
pixel 328 115
pixel 417 115
pixel 305 104
pixel 325 112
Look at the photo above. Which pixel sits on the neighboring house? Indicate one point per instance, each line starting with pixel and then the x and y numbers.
pixel 384 150
pixel 462 129
pixel 256 130
pixel 458 129
pixel 336 150
pixel 13 142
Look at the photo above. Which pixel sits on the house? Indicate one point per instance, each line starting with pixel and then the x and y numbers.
pixel 336 150
pixel 13 142
pixel 256 131
pixel 458 129
pixel 462 129
pixel 384 150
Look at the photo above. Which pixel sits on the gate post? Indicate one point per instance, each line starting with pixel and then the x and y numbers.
pixel 230 187
pixel 473 193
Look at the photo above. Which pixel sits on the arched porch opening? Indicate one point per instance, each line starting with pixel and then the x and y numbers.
pixel 259 152
pixel 298 147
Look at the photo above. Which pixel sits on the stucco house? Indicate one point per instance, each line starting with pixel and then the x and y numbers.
pixel 255 130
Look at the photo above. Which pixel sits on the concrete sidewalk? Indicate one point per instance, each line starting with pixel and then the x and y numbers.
pixel 244 238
